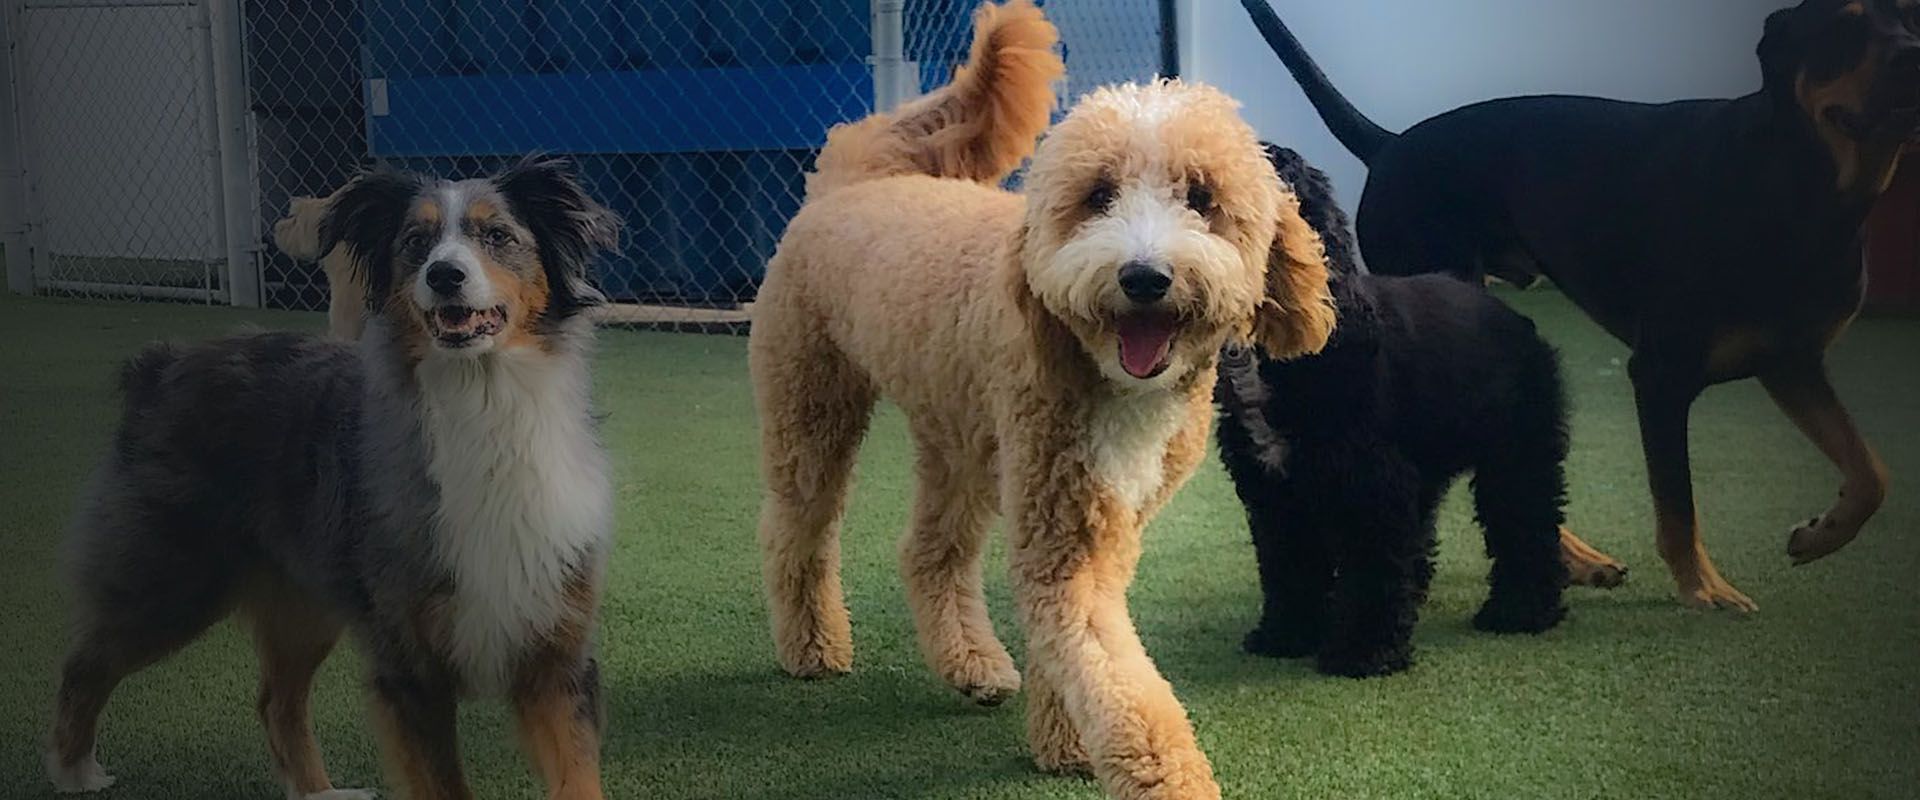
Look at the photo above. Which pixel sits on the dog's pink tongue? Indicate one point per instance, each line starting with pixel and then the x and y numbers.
pixel 1144 342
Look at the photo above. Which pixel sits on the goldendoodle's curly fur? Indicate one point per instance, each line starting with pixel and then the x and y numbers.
pixel 1054 352
pixel 1342 457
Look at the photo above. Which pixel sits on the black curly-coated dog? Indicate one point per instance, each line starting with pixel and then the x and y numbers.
pixel 1342 457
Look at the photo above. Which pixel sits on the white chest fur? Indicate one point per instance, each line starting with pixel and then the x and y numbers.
pixel 1127 437
pixel 524 498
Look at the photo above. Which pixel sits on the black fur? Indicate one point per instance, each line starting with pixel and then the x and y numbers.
pixel 1720 239
pixel 366 215
pixel 1341 458
pixel 570 226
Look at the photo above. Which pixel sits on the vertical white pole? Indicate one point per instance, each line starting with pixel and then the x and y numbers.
pixel 13 168
pixel 895 79
pixel 236 165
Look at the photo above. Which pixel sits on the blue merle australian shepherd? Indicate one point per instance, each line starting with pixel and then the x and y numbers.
pixel 438 490
pixel 1341 459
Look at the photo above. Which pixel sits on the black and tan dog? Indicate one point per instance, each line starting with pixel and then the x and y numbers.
pixel 1720 239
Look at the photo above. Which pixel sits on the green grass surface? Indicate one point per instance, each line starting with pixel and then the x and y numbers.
pixel 1816 696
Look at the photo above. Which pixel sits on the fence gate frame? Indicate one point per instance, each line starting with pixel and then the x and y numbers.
pixel 14 230
pixel 220 62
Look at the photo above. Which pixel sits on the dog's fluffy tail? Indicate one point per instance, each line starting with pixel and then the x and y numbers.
pixel 142 375
pixel 978 127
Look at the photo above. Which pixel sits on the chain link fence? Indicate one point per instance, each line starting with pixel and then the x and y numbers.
pixel 694 119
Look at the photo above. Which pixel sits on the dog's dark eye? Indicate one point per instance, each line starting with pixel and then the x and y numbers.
pixel 499 237
pixel 1100 197
pixel 413 242
pixel 1200 198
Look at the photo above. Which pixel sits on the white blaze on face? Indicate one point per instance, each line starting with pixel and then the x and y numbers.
pixel 453 247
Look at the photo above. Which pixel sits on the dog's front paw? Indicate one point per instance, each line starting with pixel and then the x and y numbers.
pixel 1279 643
pixel 986 678
pixel 86 775
pixel 1518 617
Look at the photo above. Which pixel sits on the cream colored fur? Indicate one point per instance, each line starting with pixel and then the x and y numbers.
pixel 298 235
pixel 990 318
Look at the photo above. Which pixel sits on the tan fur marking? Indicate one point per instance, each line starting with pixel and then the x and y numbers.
pixel 565 748
pixel 292 636
pixel 1734 351
pixel 1699 582
pixel 482 211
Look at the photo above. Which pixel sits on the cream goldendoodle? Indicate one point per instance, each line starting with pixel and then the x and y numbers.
pixel 298 235
pixel 1055 353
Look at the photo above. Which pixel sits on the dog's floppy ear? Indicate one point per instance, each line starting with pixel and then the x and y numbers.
pixel 1296 316
pixel 366 215
pixel 568 225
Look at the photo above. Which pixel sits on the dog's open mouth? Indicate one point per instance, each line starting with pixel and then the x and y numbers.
pixel 459 326
pixel 1146 342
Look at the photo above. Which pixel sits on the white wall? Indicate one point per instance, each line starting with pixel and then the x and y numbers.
pixel 1402 61
pixel 116 117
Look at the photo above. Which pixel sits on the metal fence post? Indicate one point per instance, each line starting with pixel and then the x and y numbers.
pixel 236 164
pixel 13 182
pixel 895 79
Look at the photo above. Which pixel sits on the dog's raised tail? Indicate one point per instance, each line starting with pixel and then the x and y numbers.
pixel 142 375
pixel 978 127
pixel 1361 136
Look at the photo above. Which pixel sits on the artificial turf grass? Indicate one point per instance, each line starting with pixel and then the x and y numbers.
pixel 1816 696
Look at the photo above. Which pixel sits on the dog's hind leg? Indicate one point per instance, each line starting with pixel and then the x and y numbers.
pixel 1385 546
pixel 415 716
pixel 560 716
pixel 814 406
pixel 1517 501
pixel 133 613
pixel 940 565
pixel 1291 543
pixel 292 636
pixel 1804 393
pixel 1662 396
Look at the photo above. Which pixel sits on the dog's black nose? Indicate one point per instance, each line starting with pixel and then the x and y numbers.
pixel 445 277
pixel 1144 282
